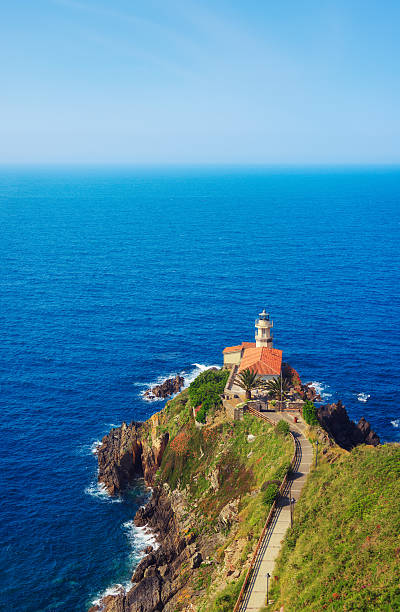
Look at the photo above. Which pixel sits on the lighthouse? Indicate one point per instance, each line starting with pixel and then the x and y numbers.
pixel 263 334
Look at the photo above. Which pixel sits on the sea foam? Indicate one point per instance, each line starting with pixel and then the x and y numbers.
pixel 98 491
pixel 139 538
pixel 187 375
pixel 321 389
pixel 115 589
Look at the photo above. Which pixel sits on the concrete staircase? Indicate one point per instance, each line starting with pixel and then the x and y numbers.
pixel 254 594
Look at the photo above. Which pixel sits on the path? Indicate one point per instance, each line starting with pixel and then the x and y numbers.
pixel 256 591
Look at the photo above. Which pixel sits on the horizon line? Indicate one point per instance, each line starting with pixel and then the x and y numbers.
pixel 261 165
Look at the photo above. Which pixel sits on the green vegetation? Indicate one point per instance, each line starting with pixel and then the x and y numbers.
pixel 277 387
pixel 282 427
pixel 270 494
pixel 217 467
pixel 248 381
pixel 343 552
pixel 205 391
pixel 222 447
pixel 310 413
pixel 225 601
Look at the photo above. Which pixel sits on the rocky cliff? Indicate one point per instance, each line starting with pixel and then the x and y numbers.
pixel 158 577
pixel 129 451
pixel 335 420
pixel 207 508
pixel 137 450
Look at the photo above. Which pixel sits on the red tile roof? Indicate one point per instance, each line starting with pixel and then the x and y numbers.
pixel 234 349
pixel 262 360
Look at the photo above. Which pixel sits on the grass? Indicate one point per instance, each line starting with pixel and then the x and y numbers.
pixel 214 466
pixel 344 551
pixel 241 468
pixel 226 599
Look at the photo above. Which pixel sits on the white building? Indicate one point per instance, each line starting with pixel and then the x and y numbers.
pixel 258 356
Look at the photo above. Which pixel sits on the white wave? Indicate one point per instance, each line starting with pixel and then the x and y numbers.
pixel 88 449
pixel 396 423
pixel 94 447
pixel 115 589
pixel 139 538
pixel 363 397
pixel 321 389
pixel 98 490
pixel 188 377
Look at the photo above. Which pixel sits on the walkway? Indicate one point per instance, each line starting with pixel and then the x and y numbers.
pixel 256 592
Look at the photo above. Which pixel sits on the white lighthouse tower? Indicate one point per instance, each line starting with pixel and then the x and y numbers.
pixel 263 330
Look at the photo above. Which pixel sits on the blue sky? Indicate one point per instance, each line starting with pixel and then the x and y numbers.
pixel 242 82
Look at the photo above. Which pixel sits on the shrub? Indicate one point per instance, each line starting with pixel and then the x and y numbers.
pixel 310 413
pixel 281 472
pixel 282 427
pixel 206 391
pixel 201 415
pixel 270 494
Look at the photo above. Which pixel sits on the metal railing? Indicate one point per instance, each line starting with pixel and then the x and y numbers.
pixel 270 514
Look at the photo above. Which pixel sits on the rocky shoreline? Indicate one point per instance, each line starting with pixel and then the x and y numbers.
pixel 126 453
pixel 136 450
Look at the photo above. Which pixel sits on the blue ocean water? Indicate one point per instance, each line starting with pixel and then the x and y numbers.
pixel 111 278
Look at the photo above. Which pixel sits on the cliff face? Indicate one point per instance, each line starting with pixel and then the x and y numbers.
pixel 335 420
pixel 207 508
pixel 124 454
pixel 130 451
pixel 158 577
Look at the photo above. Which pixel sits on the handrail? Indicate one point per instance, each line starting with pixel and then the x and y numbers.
pixel 270 514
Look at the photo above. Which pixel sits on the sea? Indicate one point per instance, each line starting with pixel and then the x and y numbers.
pixel 115 278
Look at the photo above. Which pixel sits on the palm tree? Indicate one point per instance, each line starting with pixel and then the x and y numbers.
pixel 278 387
pixel 248 380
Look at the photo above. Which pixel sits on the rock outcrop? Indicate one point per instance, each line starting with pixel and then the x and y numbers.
pixel 335 420
pixel 165 389
pixel 306 391
pixel 159 577
pixel 127 452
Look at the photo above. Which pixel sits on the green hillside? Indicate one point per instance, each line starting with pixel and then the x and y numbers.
pixel 222 471
pixel 344 550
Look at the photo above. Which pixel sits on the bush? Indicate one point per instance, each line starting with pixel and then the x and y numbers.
pixel 282 428
pixel 281 472
pixel 310 413
pixel 270 494
pixel 206 389
pixel 201 415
